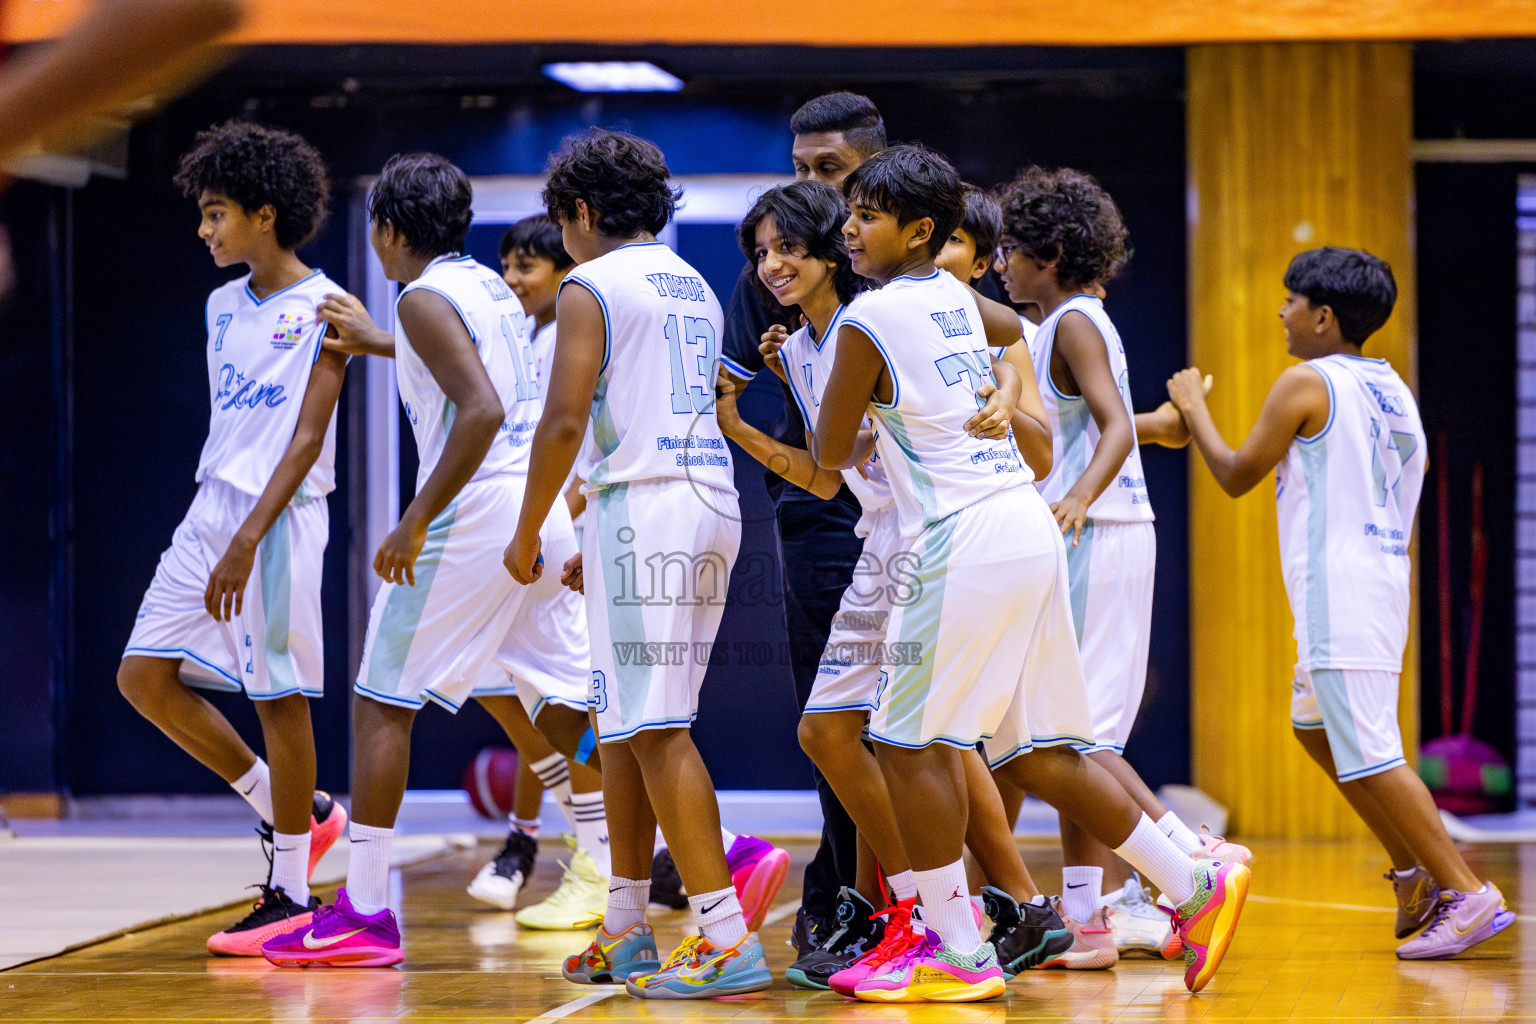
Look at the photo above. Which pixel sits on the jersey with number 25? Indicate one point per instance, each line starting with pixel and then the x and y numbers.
pixel 1346 499
pixel 653 412
pixel 494 318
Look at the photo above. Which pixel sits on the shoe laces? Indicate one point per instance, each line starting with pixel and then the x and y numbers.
pixel 685 955
pixel 1449 901
pixel 899 935
pixel 572 884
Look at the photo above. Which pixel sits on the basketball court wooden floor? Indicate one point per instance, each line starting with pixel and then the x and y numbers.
pixel 1315 944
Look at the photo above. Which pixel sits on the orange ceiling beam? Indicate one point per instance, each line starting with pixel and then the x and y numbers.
pixel 848 23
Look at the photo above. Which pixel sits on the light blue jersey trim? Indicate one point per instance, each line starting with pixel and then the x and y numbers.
pixel 884 354
pixel 544 702
pixel 572 278
pixel 948 741
pixel 626 621
pixel 832 325
pixel 910 685
pixel 1079 567
pixel 666 723
pixel 909 277
pixel 276 555
pixel 262 302
pixel 1332 407
pixel 1375 769
pixel 736 368
pixel 1314 470
pixel 182 652
pixel 816 709
pixel 463 317
pixel 922 481
pixel 402 615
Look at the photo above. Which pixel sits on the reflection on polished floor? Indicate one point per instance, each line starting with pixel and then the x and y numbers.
pixel 1315 944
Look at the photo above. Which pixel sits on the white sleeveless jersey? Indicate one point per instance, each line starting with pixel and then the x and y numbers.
pixel 1028 341
pixel 495 321
pixel 543 342
pixel 808 364
pixel 260 354
pixel 930 333
pixel 1346 499
pixel 1074 434
pixel 653 413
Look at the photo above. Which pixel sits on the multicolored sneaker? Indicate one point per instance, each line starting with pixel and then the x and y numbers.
pixel 933 972
pixel 898 939
pixel 666 884
pixel 857 931
pixel 499 881
pixel 1461 921
pixel 1206 921
pixel 1023 934
pixel 338 936
pixel 703 971
pixel 577 903
pixel 1417 896
pixel 273 914
pixel 327 823
pixel 1217 848
pixel 757 870
pixel 1138 926
pixel 1093 945
pixel 612 958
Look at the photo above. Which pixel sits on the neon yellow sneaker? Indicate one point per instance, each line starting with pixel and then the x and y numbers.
pixel 582 895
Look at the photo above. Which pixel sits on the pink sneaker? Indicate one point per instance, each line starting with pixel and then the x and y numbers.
pixel 1461 921
pixel 339 937
pixel 757 870
pixel 1207 920
pixel 1093 945
pixel 1218 848
pixel 899 938
pixel 327 823
pixel 932 971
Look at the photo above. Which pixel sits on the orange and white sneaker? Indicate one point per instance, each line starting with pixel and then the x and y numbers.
pixel 1093 945
pixel 273 914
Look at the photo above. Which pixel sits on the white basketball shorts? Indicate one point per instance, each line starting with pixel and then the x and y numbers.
pixel 981 642
pixel 849 675
pixel 1358 710
pixel 273 647
pixel 1109 577
pixel 656 561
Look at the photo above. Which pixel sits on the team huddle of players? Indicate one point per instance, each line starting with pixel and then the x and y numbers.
pixel 572 412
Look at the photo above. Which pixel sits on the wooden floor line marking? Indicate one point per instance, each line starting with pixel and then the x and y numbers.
pixel 780 912
pixel 566 1009
pixel 1315 904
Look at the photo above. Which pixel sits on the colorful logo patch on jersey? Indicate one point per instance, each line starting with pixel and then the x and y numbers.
pixel 289 327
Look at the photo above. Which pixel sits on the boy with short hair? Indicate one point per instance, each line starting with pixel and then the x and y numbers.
pixel 447 615
pixel 1343 435
pixel 235 601
pixel 637 354
pixel 990 663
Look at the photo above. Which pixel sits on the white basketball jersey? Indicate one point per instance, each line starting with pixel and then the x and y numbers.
pixel 1346 499
pixel 653 413
pixel 1028 341
pixel 808 364
pixel 260 354
pixel 495 321
pixel 930 333
pixel 1074 434
pixel 543 348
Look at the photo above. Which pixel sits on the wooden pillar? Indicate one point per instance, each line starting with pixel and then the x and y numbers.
pixel 1291 146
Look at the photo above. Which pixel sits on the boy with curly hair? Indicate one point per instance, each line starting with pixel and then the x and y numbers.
pixel 637 352
pixel 235 601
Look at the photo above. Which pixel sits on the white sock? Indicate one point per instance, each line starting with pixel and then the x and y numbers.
pixel 555 774
pixel 592 828
pixel 256 787
pixel 1081 889
pixel 626 904
pixel 1038 900
pixel 1149 850
pixel 947 906
pixel 290 865
pixel 903 884
pixel 527 828
pixel 368 870
pixel 718 915
pixel 1174 828
pixel 727 838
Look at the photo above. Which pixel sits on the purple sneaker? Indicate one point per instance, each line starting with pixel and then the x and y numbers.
pixel 339 937
pixel 1461 921
pixel 757 870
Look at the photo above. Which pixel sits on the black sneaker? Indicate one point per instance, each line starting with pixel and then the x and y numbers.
pixel 273 914
pixel 855 932
pixel 809 930
pixel 499 882
pixel 666 883
pixel 1024 935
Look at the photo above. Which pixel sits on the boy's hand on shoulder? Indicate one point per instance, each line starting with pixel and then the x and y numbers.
pixel 726 413
pixel 352 331
pixel 225 594
pixel 991 421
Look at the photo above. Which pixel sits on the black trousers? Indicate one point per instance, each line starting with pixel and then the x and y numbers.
pixel 819 549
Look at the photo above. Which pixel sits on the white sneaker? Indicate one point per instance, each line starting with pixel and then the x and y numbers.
pixel 577 904
pixel 1139 926
pixel 499 882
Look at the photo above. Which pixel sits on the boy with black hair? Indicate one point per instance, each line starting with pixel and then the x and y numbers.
pixel 999 667
pixel 637 355
pixel 818 547
pixel 1343 435
pixel 211 619
pixel 447 615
